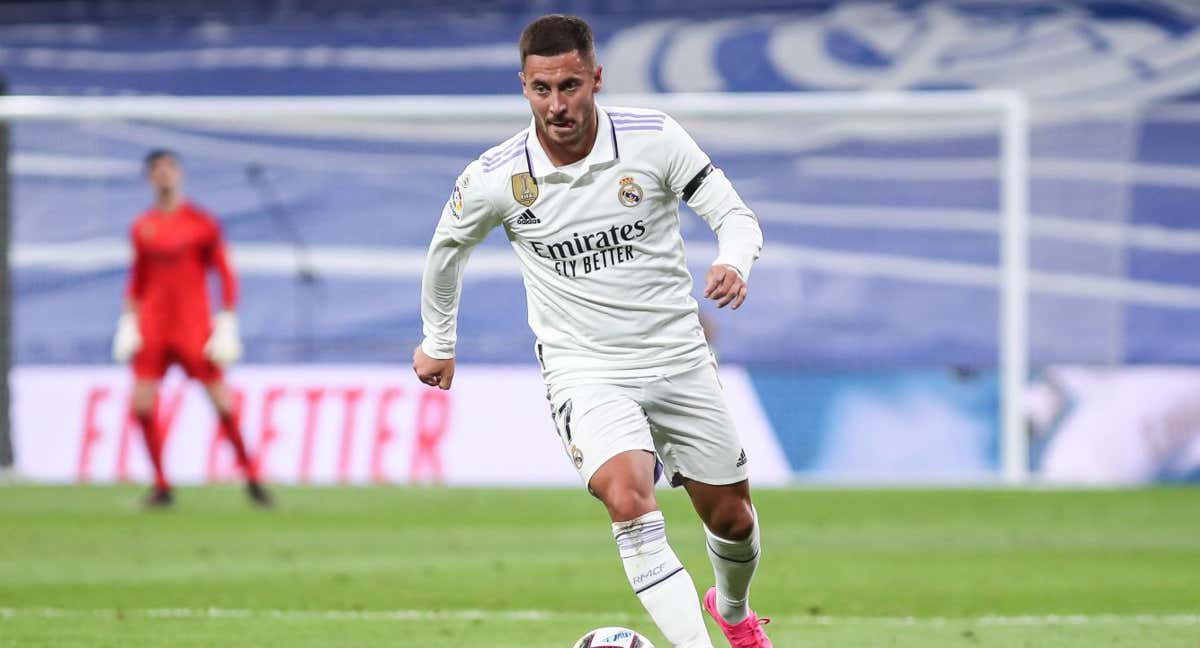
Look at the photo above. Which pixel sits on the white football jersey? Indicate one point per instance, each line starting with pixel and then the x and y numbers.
pixel 598 241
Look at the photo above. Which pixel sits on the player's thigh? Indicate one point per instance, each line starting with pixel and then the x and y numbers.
pixel 197 365
pixel 693 429
pixel 597 422
pixel 151 361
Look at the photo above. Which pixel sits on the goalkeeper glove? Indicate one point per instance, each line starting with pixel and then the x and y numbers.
pixel 128 338
pixel 224 346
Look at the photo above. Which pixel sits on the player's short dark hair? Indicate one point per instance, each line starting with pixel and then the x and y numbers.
pixel 158 154
pixel 555 34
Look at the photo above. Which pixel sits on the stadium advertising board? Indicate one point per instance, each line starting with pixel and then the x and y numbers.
pixel 325 425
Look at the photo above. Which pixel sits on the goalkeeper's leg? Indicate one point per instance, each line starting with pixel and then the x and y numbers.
pixel 200 368
pixel 145 397
pixel 222 401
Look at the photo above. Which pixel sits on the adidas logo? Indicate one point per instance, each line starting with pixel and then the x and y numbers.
pixel 741 459
pixel 527 218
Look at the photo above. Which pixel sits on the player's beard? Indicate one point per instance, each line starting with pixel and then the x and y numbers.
pixel 571 136
pixel 563 136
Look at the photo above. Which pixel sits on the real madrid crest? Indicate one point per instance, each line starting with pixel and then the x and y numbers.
pixel 577 457
pixel 525 189
pixel 630 193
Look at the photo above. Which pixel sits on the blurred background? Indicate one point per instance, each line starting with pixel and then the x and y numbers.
pixel 867 352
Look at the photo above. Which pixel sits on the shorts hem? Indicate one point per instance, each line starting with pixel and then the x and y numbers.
pixel 677 478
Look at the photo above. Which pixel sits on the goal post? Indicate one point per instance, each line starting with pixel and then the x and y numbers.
pixel 1008 109
pixel 1014 311
pixel 6 444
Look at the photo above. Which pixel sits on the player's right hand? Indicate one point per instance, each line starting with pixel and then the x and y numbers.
pixel 128 339
pixel 432 371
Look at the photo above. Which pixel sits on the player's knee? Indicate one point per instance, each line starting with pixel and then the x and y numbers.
pixel 142 406
pixel 224 410
pixel 627 504
pixel 734 521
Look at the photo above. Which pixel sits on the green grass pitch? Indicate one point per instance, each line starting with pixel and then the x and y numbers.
pixel 517 568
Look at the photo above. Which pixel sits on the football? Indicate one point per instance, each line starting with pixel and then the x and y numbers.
pixel 613 638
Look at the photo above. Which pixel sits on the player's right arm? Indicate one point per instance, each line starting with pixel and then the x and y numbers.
pixel 466 220
pixel 128 338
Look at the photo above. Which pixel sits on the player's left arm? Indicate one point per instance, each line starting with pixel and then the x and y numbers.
pixel 704 187
pixel 224 346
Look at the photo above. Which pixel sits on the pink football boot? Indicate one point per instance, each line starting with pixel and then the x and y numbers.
pixel 747 634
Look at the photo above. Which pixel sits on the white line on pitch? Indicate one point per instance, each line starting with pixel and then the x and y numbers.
pixel 547 615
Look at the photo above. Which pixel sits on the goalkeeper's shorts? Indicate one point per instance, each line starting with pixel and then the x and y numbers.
pixel 156 356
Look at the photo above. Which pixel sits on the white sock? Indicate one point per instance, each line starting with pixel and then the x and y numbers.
pixel 734 562
pixel 660 581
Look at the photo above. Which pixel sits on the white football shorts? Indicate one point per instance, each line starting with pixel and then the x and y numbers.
pixel 682 418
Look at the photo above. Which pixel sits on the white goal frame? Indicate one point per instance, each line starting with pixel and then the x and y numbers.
pixel 1011 107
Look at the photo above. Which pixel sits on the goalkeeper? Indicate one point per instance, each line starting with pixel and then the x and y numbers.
pixel 167 317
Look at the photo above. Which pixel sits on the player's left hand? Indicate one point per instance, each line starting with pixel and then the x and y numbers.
pixel 224 346
pixel 725 286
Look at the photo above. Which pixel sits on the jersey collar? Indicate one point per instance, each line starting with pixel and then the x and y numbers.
pixel 604 152
pixel 183 207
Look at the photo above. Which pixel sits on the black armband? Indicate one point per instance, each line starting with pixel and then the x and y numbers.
pixel 695 183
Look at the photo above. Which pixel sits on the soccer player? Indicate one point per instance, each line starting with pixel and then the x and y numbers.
pixel 166 318
pixel 589 198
